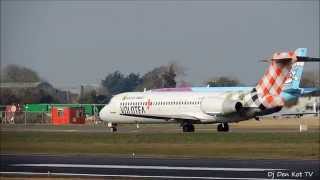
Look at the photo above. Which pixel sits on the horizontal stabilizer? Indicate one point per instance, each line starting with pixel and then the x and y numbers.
pixel 311 92
pixel 307 59
pixel 299 59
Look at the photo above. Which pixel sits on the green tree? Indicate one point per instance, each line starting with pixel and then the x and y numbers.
pixel 116 82
pixel 132 81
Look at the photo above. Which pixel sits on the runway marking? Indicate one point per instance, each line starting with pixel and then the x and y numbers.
pixel 143 167
pixel 127 176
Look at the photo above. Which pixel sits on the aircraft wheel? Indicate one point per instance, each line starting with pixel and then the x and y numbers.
pixel 226 127
pixel 114 129
pixel 223 127
pixel 188 127
pixel 185 128
pixel 191 128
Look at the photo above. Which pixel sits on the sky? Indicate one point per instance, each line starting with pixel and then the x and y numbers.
pixel 70 43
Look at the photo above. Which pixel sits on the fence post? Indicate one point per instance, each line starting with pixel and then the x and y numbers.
pixel 5 118
pixel 25 119
pixel 42 120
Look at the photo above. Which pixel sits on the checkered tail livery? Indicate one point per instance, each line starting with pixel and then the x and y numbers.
pixel 284 72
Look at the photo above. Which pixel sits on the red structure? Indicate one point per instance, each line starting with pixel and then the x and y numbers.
pixel 67 115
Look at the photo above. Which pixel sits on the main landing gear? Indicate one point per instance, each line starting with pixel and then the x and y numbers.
pixel 223 127
pixel 187 126
pixel 113 127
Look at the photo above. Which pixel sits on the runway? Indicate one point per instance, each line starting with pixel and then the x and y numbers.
pixel 264 125
pixel 102 166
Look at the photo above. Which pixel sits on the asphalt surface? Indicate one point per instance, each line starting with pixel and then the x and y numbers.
pixel 263 126
pixel 106 167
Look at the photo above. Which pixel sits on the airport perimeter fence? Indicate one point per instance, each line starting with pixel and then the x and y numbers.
pixel 24 117
pixel 33 118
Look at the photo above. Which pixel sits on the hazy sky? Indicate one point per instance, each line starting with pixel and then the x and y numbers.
pixel 79 42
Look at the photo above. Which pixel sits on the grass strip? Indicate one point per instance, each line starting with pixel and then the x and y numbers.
pixel 222 145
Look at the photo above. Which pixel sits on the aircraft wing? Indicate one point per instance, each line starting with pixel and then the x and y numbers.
pixel 165 117
pixel 289 114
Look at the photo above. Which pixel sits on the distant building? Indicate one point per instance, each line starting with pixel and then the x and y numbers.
pixel 67 115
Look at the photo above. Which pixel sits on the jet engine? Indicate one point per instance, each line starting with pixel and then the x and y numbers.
pixel 220 106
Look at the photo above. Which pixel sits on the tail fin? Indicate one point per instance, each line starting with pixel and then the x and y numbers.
pixel 293 80
pixel 267 92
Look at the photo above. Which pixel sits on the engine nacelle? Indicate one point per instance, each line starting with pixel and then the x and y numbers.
pixel 220 106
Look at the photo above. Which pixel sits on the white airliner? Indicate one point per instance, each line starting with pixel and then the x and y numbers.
pixel 278 87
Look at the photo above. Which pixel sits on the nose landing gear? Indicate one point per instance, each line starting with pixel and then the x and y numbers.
pixel 223 127
pixel 113 127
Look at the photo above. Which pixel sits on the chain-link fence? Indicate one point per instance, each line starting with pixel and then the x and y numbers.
pixel 26 118
pixel 50 114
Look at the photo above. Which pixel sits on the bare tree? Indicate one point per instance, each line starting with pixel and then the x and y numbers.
pixel 16 73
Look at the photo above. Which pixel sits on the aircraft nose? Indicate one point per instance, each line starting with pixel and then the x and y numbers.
pixel 104 112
